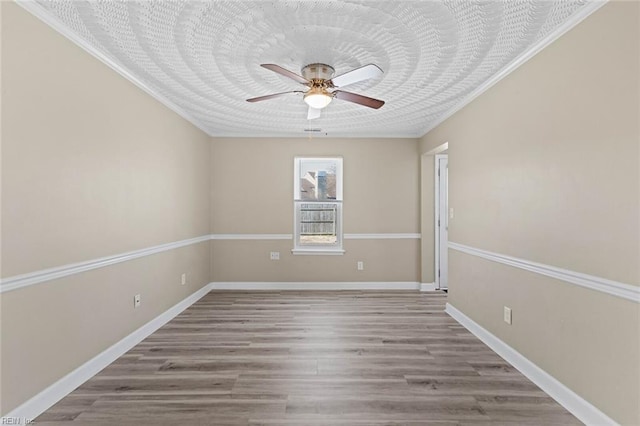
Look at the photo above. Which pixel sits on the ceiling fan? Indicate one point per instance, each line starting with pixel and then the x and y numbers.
pixel 319 78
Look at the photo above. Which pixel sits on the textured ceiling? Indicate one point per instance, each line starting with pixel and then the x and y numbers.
pixel 204 57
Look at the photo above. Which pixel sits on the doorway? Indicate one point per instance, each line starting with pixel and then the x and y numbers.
pixel 441 221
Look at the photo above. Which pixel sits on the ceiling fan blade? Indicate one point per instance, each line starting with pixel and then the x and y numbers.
pixel 275 95
pixel 358 99
pixel 363 73
pixel 286 73
pixel 313 113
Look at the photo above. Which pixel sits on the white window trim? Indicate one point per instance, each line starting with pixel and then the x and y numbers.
pixel 318 252
pixel 318 249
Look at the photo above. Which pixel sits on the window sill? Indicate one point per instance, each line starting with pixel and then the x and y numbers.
pixel 317 252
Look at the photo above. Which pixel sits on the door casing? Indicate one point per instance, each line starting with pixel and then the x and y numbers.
pixel 441 221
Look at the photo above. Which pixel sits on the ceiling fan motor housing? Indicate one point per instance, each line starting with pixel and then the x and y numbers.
pixel 317 72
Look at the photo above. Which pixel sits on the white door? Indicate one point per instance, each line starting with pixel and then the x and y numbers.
pixel 442 221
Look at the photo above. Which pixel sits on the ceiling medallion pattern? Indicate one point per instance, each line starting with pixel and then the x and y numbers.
pixel 205 57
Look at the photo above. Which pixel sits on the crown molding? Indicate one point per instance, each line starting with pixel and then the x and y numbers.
pixel 579 16
pixel 41 13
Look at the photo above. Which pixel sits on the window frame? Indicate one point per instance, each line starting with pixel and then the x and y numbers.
pixel 317 249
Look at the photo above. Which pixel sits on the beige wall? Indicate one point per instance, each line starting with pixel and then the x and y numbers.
pixel 91 167
pixel 381 184
pixel 545 166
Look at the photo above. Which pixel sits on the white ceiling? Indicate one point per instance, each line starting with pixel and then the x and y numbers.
pixel 203 59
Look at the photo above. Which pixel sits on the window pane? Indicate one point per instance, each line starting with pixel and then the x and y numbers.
pixel 318 223
pixel 318 205
pixel 318 179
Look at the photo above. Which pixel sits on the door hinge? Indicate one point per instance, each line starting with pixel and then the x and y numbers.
pixel 438 222
pixel 438 172
pixel 438 272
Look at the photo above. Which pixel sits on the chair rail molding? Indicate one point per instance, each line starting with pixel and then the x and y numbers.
pixel 385 236
pixel 31 278
pixel 610 287
pixel 377 236
pixel 43 275
pixel 251 236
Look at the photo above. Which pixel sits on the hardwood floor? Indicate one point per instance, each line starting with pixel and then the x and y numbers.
pixel 310 358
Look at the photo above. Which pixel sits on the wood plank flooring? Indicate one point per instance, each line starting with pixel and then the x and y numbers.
pixel 310 358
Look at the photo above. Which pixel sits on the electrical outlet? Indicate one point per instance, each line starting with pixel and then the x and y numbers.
pixel 275 255
pixel 507 315
pixel 184 279
pixel 136 301
pixel 360 265
pixel 450 212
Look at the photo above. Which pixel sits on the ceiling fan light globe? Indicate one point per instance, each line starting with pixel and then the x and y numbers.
pixel 317 100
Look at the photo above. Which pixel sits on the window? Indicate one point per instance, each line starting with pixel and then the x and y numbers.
pixel 317 198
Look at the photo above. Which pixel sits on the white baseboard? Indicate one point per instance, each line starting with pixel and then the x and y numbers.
pixel 573 402
pixel 428 287
pixel 278 286
pixel 58 390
